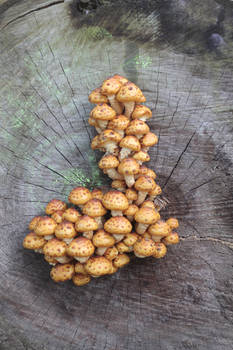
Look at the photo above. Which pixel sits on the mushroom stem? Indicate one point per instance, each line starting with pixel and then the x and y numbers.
pixel 115 104
pixel 113 174
pixel 38 251
pixel 110 147
pixel 129 107
pixel 118 238
pixel 82 259
pixel 116 213
pixel 64 259
pixel 101 250
pixel 141 228
pixel 98 129
pixel 102 124
pixel 139 136
pixel 120 132
pixel 99 220
pixel 141 197
pixel 130 217
pixel 48 237
pixel 156 238
pixel 125 152
pixel 129 179
pixel 67 240
pixel 88 234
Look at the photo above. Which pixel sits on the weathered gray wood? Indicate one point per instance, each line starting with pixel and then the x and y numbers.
pixel 51 57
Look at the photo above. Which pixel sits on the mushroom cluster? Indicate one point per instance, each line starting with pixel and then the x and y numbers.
pixel 97 233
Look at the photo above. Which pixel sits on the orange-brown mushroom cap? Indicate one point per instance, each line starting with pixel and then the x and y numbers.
pixel 80 195
pixel 173 223
pixel 171 238
pixel 128 166
pixel 146 216
pixel 141 111
pixel 86 223
pixel 96 97
pixel 108 135
pixel 137 127
pixel 120 122
pixel 131 194
pixel 32 241
pixel 131 142
pixel 115 200
pixel 34 222
pixel 118 225
pixel 119 185
pixel 55 205
pixel 110 86
pixel 58 216
pixel 71 214
pixel 150 139
pixel 130 92
pixel 160 229
pixel 121 260
pixel 131 238
pixel 146 171
pixel 108 162
pixel 55 248
pixel 144 247
pixel 80 279
pixel 144 184
pixel 62 272
pixel 161 250
pixel 111 253
pixel 103 239
pixel 148 204
pixel 103 112
pixel 131 210
pixel 94 208
pixel 121 79
pixel 80 247
pixel 97 193
pixel 98 266
pixel 45 226
pixel 65 230
pixel 141 156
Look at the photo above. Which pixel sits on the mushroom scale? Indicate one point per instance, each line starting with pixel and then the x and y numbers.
pixel 115 201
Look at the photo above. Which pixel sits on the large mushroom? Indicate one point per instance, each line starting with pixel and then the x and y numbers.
pixel 102 240
pixel 65 231
pixel 129 144
pixel 96 97
pixel 144 247
pixel 56 249
pixel 95 209
pixel 149 140
pixel 137 128
pixel 98 266
pixel 115 201
pixel 86 225
pixel 141 112
pixel 159 230
pixel 80 196
pixel 110 88
pixel 119 124
pixel 102 113
pixel 109 140
pixel 145 217
pixel 81 249
pixel 129 167
pixel 34 242
pixel 55 205
pixel 62 273
pixel 129 94
pixel 108 164
pixel 118 226
pixel 45 227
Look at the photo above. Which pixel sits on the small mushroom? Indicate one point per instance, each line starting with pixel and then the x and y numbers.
pixel 118 226
pixel 52 261
pixel 122 248
pixel 98 266
pixel 34 222
pixel 34 242
pixel 141 157
pixel 149 140
pixel 97 193
pixel 128 94
pixel 131 195
pixel 95 209
pixel 93 122
pixel 115 201
pixel 96 97
pixel 65 231
pixel 144 247
pixel 80 280
pixel 62 273
pixel 128 167
pixel 86 225
pixel 119 124
pixel 146 235
pixel 145 217
pixel 141 112
pixel 161 250
pixel 54 205
pixel 121 260
pixel 45 227
pixel 173 223
pixel 129 144
pixel 146 172
pixel 79 268
pixel 155 192
pixel 56 249
pixel 102 113
pixel 79 196
pixel 148 204
pixel 131 211
pixel 110 88
pixel 137 128
pixel 159 230
pixel 111 253
pixel 121 79
pixel 57 216
pixel 130 239
pixel 109 139
pixel 119 185
pixel 95 144
pixel 81 249
pixel 108 164
pixel 171 238
pixel 102 240
pixel 143 185
pixel 71 214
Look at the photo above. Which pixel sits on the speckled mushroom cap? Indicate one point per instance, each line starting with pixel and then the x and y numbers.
pixel 144 247
pixel 97 193
pixel 137 127
pixel 160 251
pixel 131 194
pixel 110 86
pixel 156 191
pixel 108 135
pixel 131 238
pixel 122 248
pixel 115 200
pixel 131 210
pixel 141 156
pixel 173 223
pixel 118 184
pixel 65 230
pixel 150 139
pixel 95 143
pixel 103 112
pixel 141 111
pixel 144 184
pixel 55 205
pixel 131 142
pixel 50 260
pixel 97 97
pixel 80 280
pixel 71 214
pixel 171 238
pixel 32 241
pixel 55 248
pixel 94 208
pixel 118 225
pixel 146 171
pixel 79 268
pixel 103 239
pixel 128 166
pixel 62 272
pixel 45 226
pixel 79 195
pixel 130 92
pixel 121 260
pixel 34 222
pixel 146 216
pixel 80 247
pixel 57 216
pixel 120 122
pixel 148 204
pixel 111 253
pixel 160 228
pixel 98 266
pixel 108 162
pixel 86 223
pixel 121 79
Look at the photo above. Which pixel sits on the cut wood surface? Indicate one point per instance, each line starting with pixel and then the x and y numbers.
pixel 53 53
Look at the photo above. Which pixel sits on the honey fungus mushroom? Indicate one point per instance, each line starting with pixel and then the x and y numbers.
pixel 118 226
pixel 148 204
pixel 149 140
pixel 130 239
pixel 122 248
pixel 79 196
pixel 34 242
pixel 145 217
pixel 56 249
pixel 71 214
pixel 65 231
pixel 156 191
pixel 79 268
pixel 86 225
pixel 115 201
pixel 110 88
pixel 102 113
pixel 45 227
pixel 121 260
pixel 119 124
pixel 128 167
pixel 144 247
pixel 173 223
pixel 161 250
pixel 62 272
pixel 159 230
pixel 108 164
pixel 171 238
pixel 129 94
pixel 81 249
pixel 95 209
pixel 119 185
pixel 131 195
pixel 144 185
pixel 141 157
pixel 96 97
pixel 34 222
pixel 111 253
pixel 58 216
pixel 143 170
pixel 49 259
pixel 80 279
pixel 129 145
pixel 141 112
pixel 138 128
pixel 55 205
pixel 102 240
pixel 97 193
pixel 131 211
pixel 98 266
pixel 109 140
pixel 121 79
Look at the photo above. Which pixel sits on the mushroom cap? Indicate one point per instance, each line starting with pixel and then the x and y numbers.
pixel 144 247
pixel 161 250
pixel 160 228
pixel 86 223
pixel 34 222
pixel 97 193
pixel 62 272
pixel 55 205
pixel 108 162
pixel 98 266
pixel 71 214
pixel 32 241
pixel 80 279
pixel 50 259
pixel 79 268
pixel 94 208
pixel 148 204
pixel 103 239
pixel 121 79
pixel 131 142
pixel 65 230
pixel 121 260
pixel 115 200
pixel 55 248
pixel 150 139
pixel 146 216
pixel 146 171
pixel 118 225
pixel 131 194
pixel 80 247
pixel 58 216
pixel 118 184
pixel 128 166
pixel 109 135
pixel 173 223
pixel 96 97
pixel 122 248
pixel 142 156
pixel 171 238
pixel 45 226
pixel 120 122
pixel 110 86
pixel 130 92
pixel 144 184
pixel 111 253
pixel 95 143
pixel 92 122
pixel 79 195
pixel 141 111
pixel 131 238
pixel 131 210
pixel 156 191
pixel 103 112
pixel 137 127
